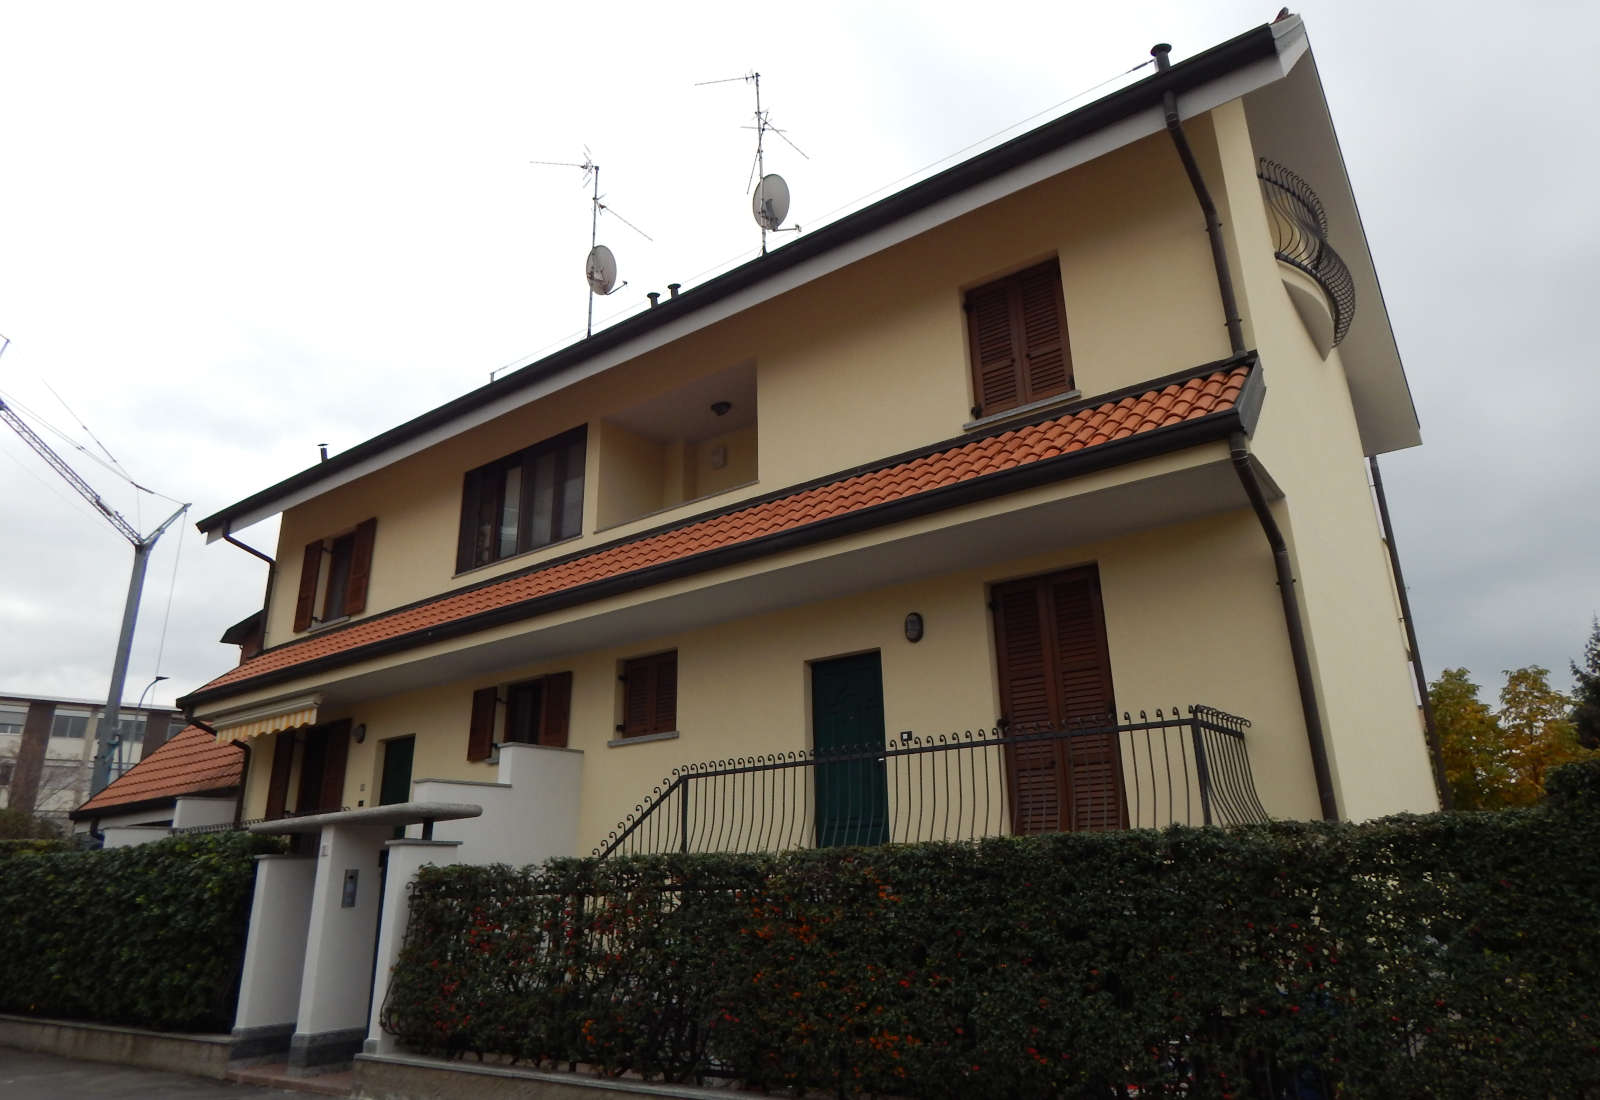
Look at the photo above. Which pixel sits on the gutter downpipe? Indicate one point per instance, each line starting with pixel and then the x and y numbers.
pixel 1430 729
pixel 1239 454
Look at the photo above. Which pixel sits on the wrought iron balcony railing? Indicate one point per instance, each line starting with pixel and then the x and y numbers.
pixel 1300 239
pixel 1174 768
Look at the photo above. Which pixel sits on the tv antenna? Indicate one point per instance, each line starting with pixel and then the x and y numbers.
pixel 600 268
pixel 770 201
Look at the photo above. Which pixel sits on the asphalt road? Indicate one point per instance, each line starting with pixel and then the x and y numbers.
pixel 28 1076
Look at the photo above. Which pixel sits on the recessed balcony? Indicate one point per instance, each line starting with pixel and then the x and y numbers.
pixel 1319 284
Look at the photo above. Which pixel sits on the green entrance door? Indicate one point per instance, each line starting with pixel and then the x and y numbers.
pixel 396 783
pixel 847 721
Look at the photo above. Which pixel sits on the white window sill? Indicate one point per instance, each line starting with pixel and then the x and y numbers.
pixel 619 742
pixel 1023 410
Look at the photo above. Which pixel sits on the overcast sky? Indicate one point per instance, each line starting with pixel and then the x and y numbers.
pixel 230 232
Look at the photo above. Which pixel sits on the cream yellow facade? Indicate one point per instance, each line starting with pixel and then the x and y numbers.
pixel 870 359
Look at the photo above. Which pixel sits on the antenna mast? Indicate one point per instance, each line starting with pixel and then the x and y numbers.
pixel 601 267
pixel 106 737
pixel 771 203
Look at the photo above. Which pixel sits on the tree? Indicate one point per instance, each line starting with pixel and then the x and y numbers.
pixel 1494 760
pixel 1471 743
pixel 1586 712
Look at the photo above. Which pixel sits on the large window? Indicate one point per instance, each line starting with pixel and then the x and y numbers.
pixel 1018 331
pixel 523 501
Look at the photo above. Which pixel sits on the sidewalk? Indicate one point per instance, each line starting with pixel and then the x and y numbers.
pixel 28 1076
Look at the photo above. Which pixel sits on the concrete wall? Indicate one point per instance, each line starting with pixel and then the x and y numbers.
pixel 869 361
pixel 1308 441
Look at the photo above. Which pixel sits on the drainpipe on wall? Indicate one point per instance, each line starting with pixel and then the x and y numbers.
pixel 1239 450
pixel 1430 730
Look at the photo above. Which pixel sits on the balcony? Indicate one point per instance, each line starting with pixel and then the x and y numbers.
pixel 1300 241
pixel 1171 769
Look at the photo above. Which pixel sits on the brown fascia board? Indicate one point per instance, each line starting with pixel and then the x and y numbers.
pixel 1241 416
pixel 1254 45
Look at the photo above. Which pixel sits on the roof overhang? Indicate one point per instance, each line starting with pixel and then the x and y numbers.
pixel 1223 73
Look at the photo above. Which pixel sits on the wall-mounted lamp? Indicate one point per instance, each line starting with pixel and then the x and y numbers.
pixel 914 627
pixel 721 408
pixel 359 734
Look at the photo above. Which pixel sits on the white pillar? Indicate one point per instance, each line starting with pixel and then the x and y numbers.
pixel 274 956
pixel 340 940
pixel 406 857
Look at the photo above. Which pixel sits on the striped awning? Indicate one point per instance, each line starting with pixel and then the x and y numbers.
pixel 286 714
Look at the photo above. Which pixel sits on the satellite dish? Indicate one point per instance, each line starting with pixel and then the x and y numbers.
pixel 770 203
pixel 601 270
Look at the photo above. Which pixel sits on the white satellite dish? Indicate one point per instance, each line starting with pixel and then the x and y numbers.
pixel 770 203
pixel 601 270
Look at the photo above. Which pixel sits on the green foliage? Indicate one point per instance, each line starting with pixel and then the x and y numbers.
pixel 152 935
pixel 17 825
pixel 1449 955
pixel 1498 759
pixel 1586 694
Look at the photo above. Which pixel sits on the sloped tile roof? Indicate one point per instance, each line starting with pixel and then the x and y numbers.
pixel 963 461
pixel 190 762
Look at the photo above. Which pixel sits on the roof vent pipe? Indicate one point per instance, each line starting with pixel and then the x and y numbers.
pixel 672 288
pixel 1160 51
pixel 655 298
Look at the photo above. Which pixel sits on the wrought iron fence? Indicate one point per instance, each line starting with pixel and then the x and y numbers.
pixel 1170 768
pixel 1300 239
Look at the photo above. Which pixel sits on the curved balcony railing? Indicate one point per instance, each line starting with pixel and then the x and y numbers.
pixel 1300 239
pixel 1149 771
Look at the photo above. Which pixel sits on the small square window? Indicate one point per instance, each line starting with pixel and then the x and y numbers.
pixel 650 695
pixel 1017 327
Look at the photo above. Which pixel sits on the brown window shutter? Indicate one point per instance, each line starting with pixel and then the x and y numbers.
pixel 1047 367
pixel 355 593
pixel 638 684
pixel 278 784
pixel 331 797
pixel 557 710
pixel 665 703
pixel 480 735
pixel 1027 697
pixel 310 568
pixel 996 374
pixel 467 539
pixel 1083 665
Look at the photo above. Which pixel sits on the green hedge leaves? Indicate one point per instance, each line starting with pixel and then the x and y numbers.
pixel 1454 955
pixel 151 936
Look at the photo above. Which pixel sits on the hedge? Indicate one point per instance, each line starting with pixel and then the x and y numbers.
pixel 1449 955
pixel 152 936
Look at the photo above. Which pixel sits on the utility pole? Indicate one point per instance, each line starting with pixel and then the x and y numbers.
pixel 142 545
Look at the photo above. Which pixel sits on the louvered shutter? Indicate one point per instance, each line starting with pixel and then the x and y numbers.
pixel 557 710
pixel 1046 369
pixel 310 569
pixel 1083 671
pixel 337 741
pixel 278 784
pixel 355 593
pixel 996 373
pixel 1027 696
pixel 480 734
pixel 665 709
pixel 1018 331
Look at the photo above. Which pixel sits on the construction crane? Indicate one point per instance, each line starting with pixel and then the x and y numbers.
pixel 106 741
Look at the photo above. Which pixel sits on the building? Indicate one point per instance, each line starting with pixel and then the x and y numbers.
pixel 1074 429
pixel 190 781
pixel 61 734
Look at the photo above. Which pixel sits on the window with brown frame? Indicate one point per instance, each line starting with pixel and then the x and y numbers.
pixel 537 713
pixel 1017 327
pixel 649 695
pixel 523 501
pixel 337 569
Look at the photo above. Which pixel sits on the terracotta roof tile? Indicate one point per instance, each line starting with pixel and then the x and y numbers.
pixel 189 762
pixel 1085 427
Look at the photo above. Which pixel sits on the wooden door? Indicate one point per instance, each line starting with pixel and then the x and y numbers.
pixel 1055 675
pixel 395 784
pixel 846 715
